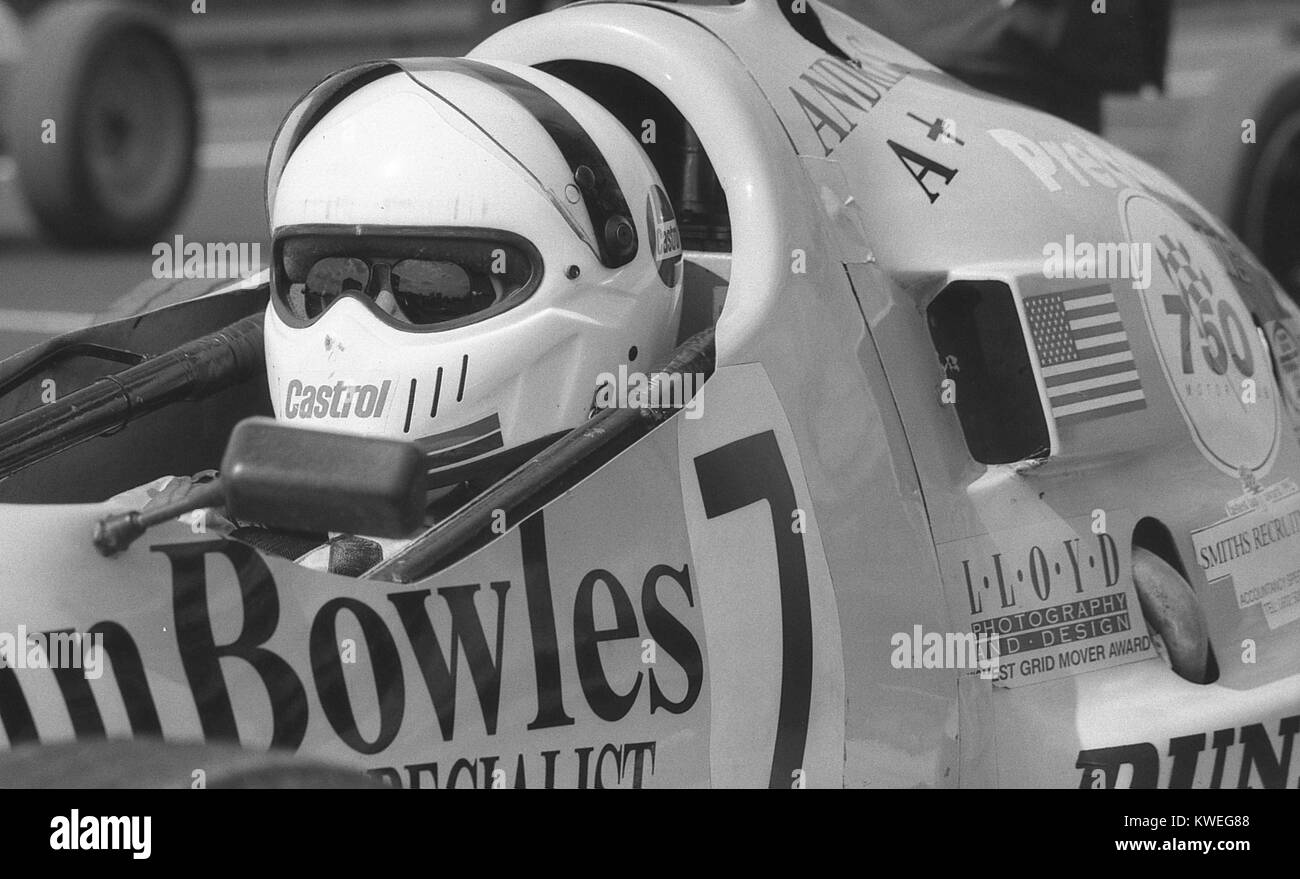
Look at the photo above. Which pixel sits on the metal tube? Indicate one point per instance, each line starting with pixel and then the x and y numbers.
pixel 524 491
pixel 195 370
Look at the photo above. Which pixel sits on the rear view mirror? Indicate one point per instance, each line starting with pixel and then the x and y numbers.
pixel 313 481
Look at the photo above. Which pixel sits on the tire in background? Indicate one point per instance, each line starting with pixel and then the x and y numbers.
pixel 1267 212
pixel 1253 187
pixel 125 113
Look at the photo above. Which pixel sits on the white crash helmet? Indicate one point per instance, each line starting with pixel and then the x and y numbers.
pixel 461 250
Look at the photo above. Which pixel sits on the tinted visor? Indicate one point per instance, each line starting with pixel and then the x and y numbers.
pixel 430 281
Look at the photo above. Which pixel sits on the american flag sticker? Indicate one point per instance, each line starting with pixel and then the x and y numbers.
pixel 1084 353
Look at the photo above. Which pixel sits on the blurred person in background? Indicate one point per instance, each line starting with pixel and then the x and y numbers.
pixel 1060 56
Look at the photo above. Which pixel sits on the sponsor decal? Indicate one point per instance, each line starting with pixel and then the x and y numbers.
pixel 1256 553
pixel 1255 755
pixel 1212 356
pixel 665 239
pixel 563 654
pixel 1286 354
pixel 756 543
pixel 1256 496
pixel 836 95
pixel 921 166
pixel 419 644
pixel 1084 354
pixel 608 765
pixel 568 652
pixel 1058 597
pixel 1082 163
pixel 304 401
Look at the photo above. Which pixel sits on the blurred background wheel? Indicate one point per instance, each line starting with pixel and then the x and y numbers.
pixel 124 111
pixel 1240 158
pixel 1268 212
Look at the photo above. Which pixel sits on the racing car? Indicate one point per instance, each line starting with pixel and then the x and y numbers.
pixel 100 119
pixel 992 480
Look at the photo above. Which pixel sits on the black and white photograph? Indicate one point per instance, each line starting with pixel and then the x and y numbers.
pixel 878 395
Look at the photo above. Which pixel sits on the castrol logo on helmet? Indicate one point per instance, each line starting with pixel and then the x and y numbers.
pixel 1212 354
pixel 665 239
pixel 306 401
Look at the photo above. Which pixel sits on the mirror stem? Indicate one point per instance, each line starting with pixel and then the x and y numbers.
pixel 115 533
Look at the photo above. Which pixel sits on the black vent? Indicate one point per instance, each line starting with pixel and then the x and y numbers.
pixel 977 334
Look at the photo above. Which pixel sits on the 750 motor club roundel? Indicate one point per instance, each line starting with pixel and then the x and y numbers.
pixel 1209 347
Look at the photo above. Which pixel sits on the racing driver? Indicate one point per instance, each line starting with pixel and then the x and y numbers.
pixel 459 249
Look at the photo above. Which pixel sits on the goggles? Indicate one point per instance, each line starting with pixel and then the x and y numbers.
pixel 430 280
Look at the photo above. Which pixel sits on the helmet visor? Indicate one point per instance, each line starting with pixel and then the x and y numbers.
pixel 431 281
